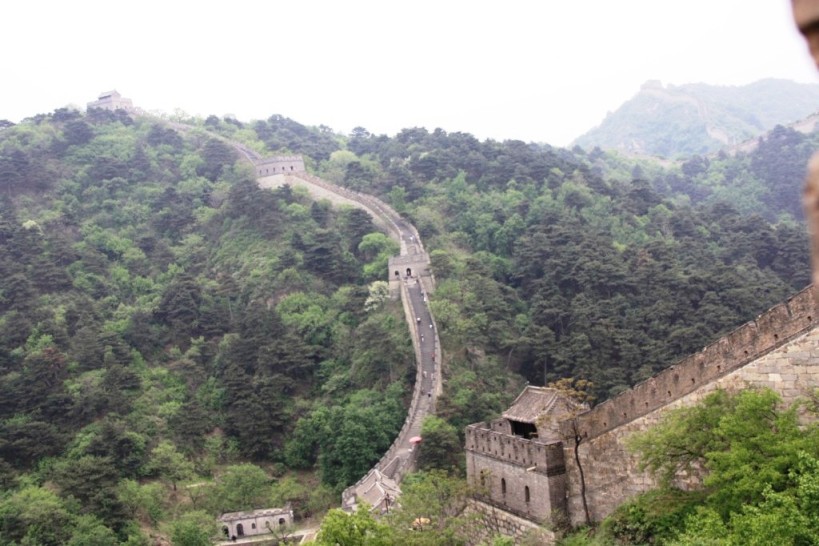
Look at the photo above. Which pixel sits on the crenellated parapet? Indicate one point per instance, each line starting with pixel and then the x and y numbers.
pixel 533 454
pixel 282 164
pixel 779 350
pixel 748 343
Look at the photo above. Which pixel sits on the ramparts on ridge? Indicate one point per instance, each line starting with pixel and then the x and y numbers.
pixel 755 338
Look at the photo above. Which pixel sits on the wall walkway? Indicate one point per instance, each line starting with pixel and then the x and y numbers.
pixel 400 458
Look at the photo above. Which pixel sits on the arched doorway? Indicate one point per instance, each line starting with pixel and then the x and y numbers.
pixel 240 529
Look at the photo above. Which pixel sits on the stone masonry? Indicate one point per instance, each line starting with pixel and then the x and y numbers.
pixel 286 164
pixel 779 350
pixel 112 100
pixel 516 463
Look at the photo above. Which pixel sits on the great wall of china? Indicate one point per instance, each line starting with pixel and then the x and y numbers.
pixel 778 349
pixel 410 279
pixel 589 471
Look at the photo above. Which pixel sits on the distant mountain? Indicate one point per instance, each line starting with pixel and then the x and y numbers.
pixel 698 118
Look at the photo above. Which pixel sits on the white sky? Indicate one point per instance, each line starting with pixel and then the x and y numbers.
pixel 537 70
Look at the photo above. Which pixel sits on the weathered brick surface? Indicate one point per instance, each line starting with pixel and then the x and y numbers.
pixel 487 521
pixel 527 477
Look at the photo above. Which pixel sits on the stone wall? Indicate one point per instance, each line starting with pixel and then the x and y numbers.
pixel 526 477
pixel 320 192
pixel 487 521
pixel 279 165
pixel 780 350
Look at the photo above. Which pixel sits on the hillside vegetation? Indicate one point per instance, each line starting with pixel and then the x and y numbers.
pixel 176 342
pixel 675 121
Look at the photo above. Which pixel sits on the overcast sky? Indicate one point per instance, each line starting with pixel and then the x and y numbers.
pixel 540 70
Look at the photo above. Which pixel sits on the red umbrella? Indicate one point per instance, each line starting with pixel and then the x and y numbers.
pixel 415 440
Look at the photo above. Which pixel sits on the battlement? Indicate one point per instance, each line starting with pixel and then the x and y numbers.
pixel 546 457
pixel 111 100
pixel 770 330
pixel 283 164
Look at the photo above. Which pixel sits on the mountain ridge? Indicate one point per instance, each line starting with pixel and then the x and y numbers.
pixel 671 121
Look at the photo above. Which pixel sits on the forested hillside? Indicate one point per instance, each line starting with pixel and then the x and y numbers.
pixel 162 317
pixel 559 264
pixel 677 121
pixel 164 322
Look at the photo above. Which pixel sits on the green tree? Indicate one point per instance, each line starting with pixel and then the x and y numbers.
pixel 195 528
pixel 757 468
pixel 744 441
pixel 34 515
pixel 170 464
pixel 431 503
pixel 243 487
pixel 142 502
pixel 357 529
pixel 92 481
pixel 90 531
pixel 441 447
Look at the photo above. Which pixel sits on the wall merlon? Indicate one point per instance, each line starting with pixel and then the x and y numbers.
pixel 545 457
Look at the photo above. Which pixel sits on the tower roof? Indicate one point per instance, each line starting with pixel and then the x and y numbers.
pixel 531 404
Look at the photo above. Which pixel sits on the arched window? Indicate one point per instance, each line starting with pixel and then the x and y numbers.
pixel 526 493
pixel 252 525
pixel 503 486
pixel 281 522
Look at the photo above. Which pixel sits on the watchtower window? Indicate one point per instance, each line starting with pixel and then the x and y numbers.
pixel 503 486
pixel 484 474
pixel 524 430
pixel 409 272
pixel 397 274
pixel 526 493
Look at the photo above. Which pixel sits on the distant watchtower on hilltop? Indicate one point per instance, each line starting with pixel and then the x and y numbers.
pixel 112 100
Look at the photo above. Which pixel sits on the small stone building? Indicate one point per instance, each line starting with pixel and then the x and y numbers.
pixel 112 100
pixel 516 462
pixel 256 522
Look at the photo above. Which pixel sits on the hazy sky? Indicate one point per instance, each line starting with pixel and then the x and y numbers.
pixel 544 70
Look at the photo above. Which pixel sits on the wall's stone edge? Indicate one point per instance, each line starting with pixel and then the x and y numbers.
pixel 772 329
pixel 612 474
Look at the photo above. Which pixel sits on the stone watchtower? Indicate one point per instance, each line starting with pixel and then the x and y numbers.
pixel 406 267
pixel 517 461
pixel 112 100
